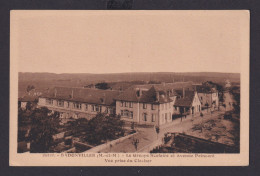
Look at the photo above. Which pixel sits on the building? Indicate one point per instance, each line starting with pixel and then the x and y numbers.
pixel 27 101
pixel 187 102
pixel 79 102
pixel 145 106
pixel 208 96
pixel 151 104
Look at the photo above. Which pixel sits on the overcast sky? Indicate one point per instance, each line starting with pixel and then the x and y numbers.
pixel 127 41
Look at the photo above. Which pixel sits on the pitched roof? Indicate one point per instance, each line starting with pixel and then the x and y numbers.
pixel 28 98
pixel 84 95
pixel 148 96
pixel 188 93
pixel 186 101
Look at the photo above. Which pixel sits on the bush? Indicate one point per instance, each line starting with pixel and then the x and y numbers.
pixel 227 116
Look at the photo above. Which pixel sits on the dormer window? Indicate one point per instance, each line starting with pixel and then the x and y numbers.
pixel 138 93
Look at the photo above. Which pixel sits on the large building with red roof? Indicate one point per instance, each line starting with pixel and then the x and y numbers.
pixel 79 102
pixel 151 104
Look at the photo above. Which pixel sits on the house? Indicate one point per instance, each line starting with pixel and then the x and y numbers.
pixel 187 102
pixel 145 106
pixel 26 100
pixel 208 96
pixel 79 102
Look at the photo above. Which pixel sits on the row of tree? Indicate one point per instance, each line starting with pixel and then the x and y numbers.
pixel 43 124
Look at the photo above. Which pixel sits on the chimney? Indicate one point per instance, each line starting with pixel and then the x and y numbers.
pixel 71 93
pixel 183 92
pixel 157 96
pixel 55 92
pixel 138 92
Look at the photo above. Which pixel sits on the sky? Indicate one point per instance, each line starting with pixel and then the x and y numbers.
pixel 127 41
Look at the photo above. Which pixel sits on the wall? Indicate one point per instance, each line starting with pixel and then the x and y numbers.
pixel 208 98
pixel 148 111
pixel 166 108
pixel 23 105
pixel 196 104
pixel 138 113
pixel 68 109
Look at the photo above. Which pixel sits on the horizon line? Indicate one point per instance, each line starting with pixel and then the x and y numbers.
pixel 136 72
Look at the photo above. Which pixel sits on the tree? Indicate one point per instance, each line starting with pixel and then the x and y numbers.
pixel 157 129
pixel 77 126
pixel 44 124
pixel 102 85
pixel 23 124
pixel 104 127
pixel 30 87
pixel 235 91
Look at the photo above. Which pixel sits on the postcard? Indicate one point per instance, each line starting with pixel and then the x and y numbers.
pixel 129 88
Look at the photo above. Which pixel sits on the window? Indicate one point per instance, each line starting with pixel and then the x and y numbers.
pixel 93 108
pixel 61 103
pixel 49 102
pixel 97 108
pixel 122 103
pixel 130 104
pixel 122 113
pixel 68 104
pixel 170 116
pixel 144 106
pixel 145 117
pixel 86 107
pixel 131 114
pixel 77 106
pixel 126 113
pixel 165 116
pixel 153 107
pixel 153 117
pixel 125 104
pixel 166 106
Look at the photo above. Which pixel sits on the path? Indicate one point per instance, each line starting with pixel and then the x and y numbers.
pixel 148 136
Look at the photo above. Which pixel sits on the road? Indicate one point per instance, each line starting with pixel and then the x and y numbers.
pixel 148 136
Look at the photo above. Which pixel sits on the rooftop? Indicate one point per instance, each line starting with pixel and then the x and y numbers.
pixel 186 100
pixel 84 95
pixel 144 96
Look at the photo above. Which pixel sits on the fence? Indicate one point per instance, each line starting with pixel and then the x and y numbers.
pixel 101 147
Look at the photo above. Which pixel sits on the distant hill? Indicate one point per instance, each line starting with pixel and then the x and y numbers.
pixel 47 80
pixel 114 77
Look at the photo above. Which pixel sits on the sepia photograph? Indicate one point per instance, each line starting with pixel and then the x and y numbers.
pixel 118 88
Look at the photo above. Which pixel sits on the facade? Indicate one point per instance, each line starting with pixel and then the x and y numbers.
pixel 144 106
pixel 23 102
pixel 187 102
pixel 79 102
pixel 208 95
pixel 209 98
